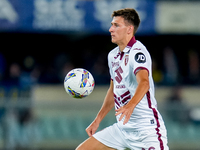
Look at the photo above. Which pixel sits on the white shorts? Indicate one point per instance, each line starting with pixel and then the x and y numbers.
pixel 119 139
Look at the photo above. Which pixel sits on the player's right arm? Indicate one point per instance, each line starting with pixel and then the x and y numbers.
pixel 108 104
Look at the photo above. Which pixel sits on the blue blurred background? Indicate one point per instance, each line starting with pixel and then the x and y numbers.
pixel 41 40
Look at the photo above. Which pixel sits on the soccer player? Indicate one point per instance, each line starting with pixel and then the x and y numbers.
pixel 139 124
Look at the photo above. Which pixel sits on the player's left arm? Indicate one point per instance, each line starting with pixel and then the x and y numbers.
pixel 142 77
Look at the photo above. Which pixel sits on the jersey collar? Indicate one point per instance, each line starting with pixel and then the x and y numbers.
pixel 127 48
pixel 129 45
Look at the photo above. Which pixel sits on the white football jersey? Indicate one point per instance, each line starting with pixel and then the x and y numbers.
pixel 123 68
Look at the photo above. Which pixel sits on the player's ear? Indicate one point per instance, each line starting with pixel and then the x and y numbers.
pixel 130 29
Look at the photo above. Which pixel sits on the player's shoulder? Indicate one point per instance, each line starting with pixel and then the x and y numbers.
pixel 140 53
pixel 113 51
pixel 139 46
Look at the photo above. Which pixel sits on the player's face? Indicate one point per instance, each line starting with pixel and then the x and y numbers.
pixel 118 30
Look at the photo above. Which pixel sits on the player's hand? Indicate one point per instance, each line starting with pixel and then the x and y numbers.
pixel 126 111
pixel 91 129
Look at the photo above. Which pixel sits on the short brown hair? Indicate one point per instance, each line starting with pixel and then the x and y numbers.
pixel 130 15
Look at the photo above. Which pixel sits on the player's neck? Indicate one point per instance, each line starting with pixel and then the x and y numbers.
pixel 121 47
pixel 124 43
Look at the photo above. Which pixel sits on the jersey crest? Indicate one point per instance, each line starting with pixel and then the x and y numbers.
pixel 126 59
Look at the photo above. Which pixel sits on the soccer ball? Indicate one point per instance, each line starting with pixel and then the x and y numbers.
pixel 79 83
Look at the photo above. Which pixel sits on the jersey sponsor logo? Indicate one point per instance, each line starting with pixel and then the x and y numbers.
pixel 117 56
pixel 126 60
pixel 152 121
pixel 137 49
pixel 120 86
pixel 115 64
pixel 140 58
